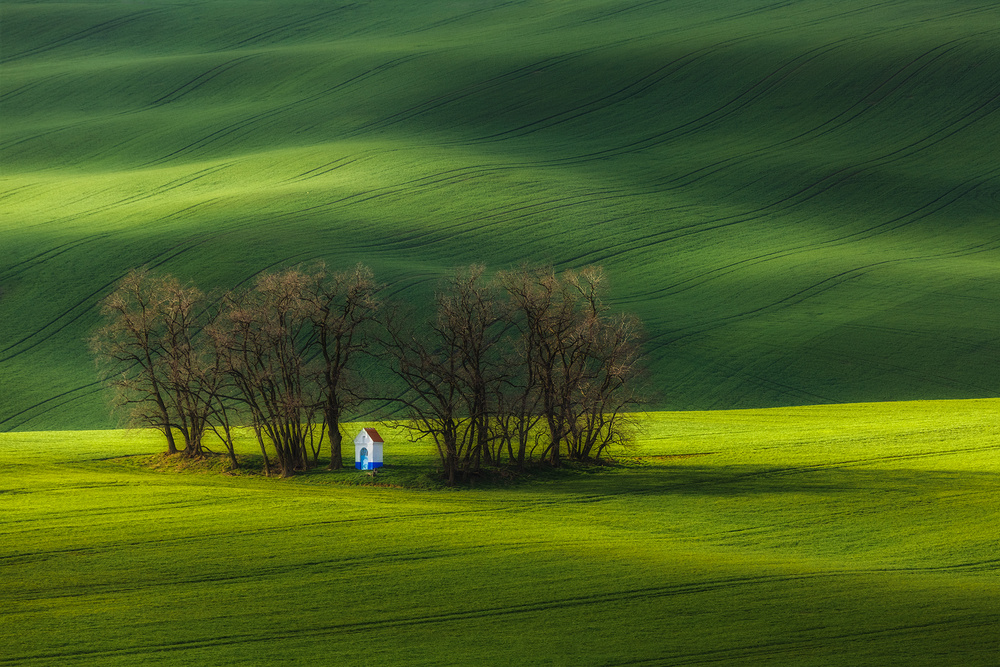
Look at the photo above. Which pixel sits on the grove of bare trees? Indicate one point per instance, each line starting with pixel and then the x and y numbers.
pixel 524 365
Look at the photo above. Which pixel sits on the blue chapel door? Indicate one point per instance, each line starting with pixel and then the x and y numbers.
pixel 364 458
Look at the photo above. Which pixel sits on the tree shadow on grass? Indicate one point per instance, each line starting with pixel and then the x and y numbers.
pixel 741 480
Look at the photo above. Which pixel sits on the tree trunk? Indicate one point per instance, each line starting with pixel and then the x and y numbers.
pixel 263 450
pixel 171 445
pixel 336 441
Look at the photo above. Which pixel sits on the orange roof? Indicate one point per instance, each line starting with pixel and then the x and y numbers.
pixel 373 434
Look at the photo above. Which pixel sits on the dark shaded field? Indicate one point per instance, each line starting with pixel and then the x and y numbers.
pixel 800 199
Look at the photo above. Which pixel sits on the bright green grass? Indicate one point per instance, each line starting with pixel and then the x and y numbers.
pixel 832 535
pixel 800 199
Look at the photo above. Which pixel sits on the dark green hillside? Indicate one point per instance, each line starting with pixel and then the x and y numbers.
pixel 801 199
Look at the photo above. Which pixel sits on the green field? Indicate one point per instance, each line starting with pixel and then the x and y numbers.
pixel 800 199
pixel 832 535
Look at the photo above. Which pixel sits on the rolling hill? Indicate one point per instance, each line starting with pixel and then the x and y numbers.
pixel 800 199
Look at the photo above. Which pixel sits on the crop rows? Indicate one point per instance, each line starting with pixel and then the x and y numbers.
pixel 736 170
pixel 836 534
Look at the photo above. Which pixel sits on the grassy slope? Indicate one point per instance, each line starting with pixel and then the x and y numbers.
pixel 852 534
pixel 799 198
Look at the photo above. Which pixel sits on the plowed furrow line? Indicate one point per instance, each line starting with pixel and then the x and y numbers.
pixel 941 202
pixel 197 82
pixel 722 478
pixel 629 8
pixel 710 118
pixel 187 179
pixel 691 58
pixel 83 34
pixel 51 403
pixel 840 177
pixel 28 87
pixel 864 105
pixel 787 301
pixel 84 305
pixel 211 537
pixel 290 27
pixel 261 573
pixel 249 123
pixel 19 268
pixel 739 102
pixel 389 622
pixel 19 190
pixel 323 169
pixel 769 652
pixel 457 18
pixel 464 92
pixel 923 376
pixel 623 94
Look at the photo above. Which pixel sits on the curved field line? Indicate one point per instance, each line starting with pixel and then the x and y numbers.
pixel 862 106
pixel 31 85
pixel 90 299
pixel 655 78
pixel 811 291
pixel 824 49
pixel 623 94
pixel 768 652
pixel 465 92
pixel 967 118
pixel 85 302
pixel 247 123
pixel 925 210
pixel 628 8
pixel 519 505
pixel 13 192
pixel 750 94
pixel 20 267
pixel 419 109
pixel 460 17
pixel 198 81
pixel 804 194
pixel 323 169
pixel 186 179
pixel 326 630
pixel 164 257
pixel 287 27
pixel 93 30
pixel 402 556
pixel 94 389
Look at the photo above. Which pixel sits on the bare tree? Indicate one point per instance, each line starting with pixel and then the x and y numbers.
pixel 548 316
pixel 127 349
pixel 582 360
pixel 221 388
pixel 161 371
pixel 472 319
pixel 342 307
pixel 443 363
pixel 190 375
pixel 432 397
pixel 518 407
pixel 608 393
pixel 529 361
pixel 261 335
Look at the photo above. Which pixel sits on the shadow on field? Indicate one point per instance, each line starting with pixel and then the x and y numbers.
pixel 735 480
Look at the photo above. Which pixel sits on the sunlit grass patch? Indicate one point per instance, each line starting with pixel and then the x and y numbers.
pixel 816 535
